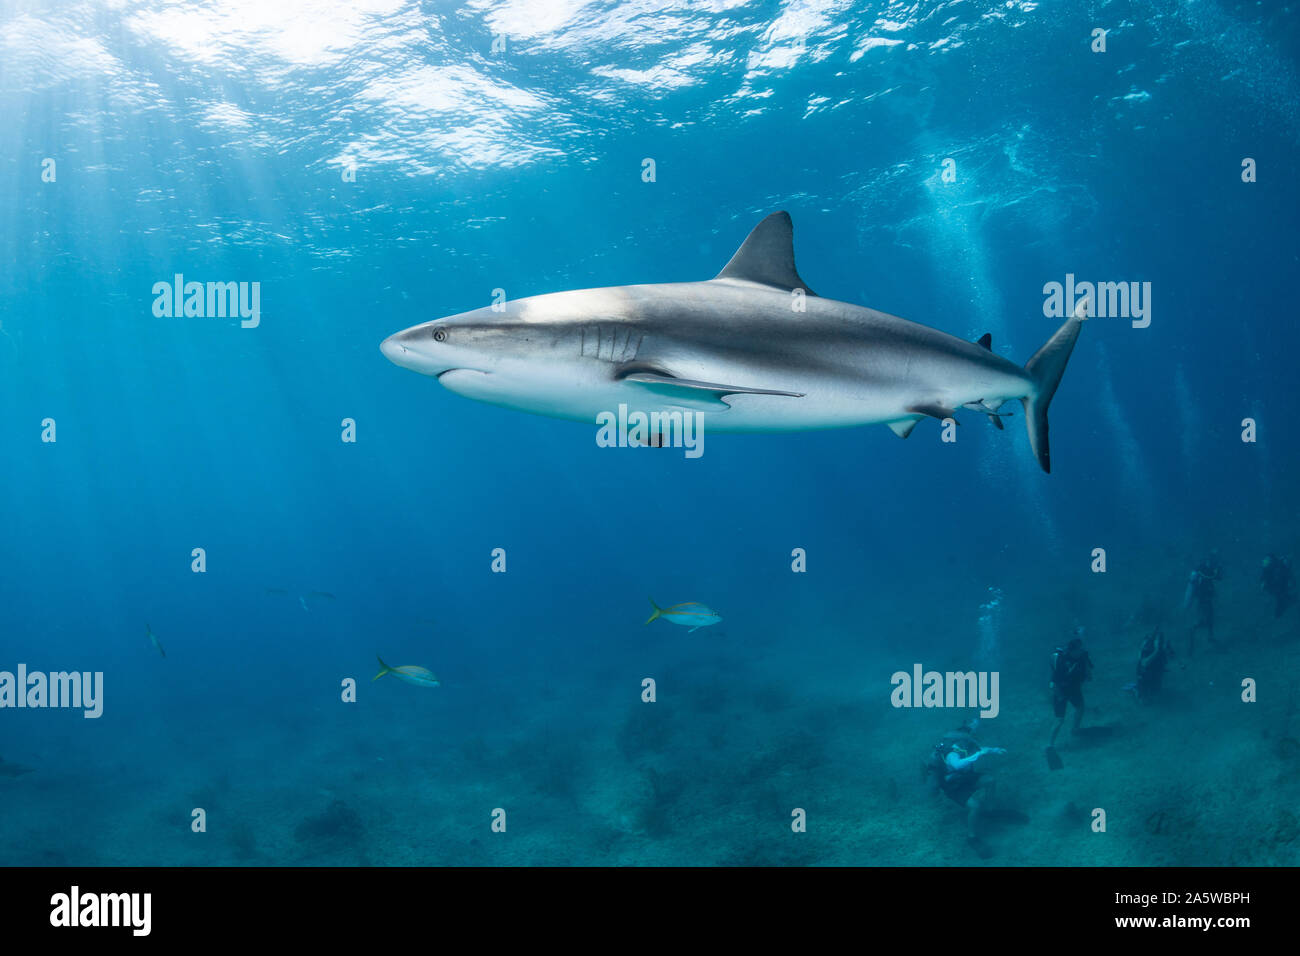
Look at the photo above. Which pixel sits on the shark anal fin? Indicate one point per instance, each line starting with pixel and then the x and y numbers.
pixel 904 428
pixel 767 256
pixel 995 416
pixel 690 392
pixel 985 341
pixel 934 410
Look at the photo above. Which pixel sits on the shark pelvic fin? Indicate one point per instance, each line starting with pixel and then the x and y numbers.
pixel 767 256
pixel 685 391
pixel 904 428
pixel 985 341
pixel 935 410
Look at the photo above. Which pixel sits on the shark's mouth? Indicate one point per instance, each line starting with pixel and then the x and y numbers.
pixel 456 379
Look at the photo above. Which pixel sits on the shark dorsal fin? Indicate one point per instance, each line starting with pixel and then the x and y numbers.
pixel 767 256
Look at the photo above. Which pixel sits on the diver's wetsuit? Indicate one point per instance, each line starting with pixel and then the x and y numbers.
pixel 1151 666
pixel 957 785
pixel 1201 590
pixel 1277 579
pixel 960 785
pixel 1068 675
pixel 1071 666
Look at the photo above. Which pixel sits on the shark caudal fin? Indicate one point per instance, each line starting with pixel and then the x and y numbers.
pixel 658 611
pixel 1046 368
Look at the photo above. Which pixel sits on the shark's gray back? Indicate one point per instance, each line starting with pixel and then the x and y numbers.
pixel 759 325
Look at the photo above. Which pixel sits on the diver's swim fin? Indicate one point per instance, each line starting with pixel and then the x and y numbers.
pixel 1054 761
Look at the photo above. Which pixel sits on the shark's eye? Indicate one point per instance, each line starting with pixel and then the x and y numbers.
pixel 440 335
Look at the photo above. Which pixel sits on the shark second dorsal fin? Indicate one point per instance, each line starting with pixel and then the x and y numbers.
pixel 767 256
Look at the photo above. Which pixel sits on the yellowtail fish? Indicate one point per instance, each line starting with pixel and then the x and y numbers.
pixel 154 638
pixel 407 673
pixel 692 614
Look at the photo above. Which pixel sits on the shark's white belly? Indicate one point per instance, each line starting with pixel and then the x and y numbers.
pixel 588 395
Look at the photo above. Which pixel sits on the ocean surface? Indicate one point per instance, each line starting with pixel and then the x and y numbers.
pixel 374 164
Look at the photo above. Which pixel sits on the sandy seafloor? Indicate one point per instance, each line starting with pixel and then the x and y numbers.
pixel 745 729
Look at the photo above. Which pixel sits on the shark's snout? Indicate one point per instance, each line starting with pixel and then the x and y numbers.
pixel 406 349
pixel 425 349
pixel 393 349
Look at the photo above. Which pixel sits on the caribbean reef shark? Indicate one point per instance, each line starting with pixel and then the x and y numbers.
pixel 753 348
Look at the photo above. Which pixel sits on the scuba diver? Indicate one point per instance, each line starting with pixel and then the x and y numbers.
pixel 1278 581
pixel 952 769
pixel 1071 666
pixel 1152 659
pixel 1200 591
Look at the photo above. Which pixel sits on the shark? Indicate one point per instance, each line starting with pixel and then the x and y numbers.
pixel 752 349
pixel 8 769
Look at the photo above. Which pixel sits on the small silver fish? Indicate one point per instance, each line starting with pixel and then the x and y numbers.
pixel 154 638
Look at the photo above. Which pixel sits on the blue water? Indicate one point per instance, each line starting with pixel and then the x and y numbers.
pixel 211 139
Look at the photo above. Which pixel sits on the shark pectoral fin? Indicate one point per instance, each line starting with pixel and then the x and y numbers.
pixel 685 391
pixel 997 421
pixel 935 411
pixel 904 428
pixel 673 392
